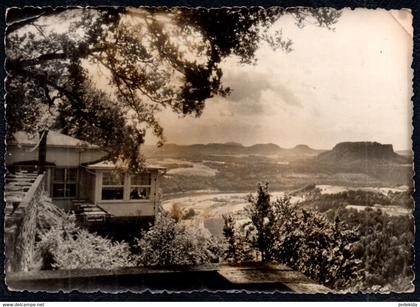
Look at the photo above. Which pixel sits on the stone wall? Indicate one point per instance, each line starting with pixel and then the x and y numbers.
pixel 247 276
pixel 20 221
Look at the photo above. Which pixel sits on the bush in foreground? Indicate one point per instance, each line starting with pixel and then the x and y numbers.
pixel 168 242
pixel 302 239
pixel 70 247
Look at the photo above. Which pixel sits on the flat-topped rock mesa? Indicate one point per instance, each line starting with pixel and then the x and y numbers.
pixel 356 152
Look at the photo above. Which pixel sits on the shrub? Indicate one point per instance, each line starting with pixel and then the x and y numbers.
pixel 176 212
pixel 321 249
pixel 261 233
pixel 48 215
pixel 170 243
pixel 236 249
pixel 387 248
pixel 303 239
pixel 70 247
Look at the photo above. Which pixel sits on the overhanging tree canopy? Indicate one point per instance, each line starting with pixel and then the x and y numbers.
pixel 151 59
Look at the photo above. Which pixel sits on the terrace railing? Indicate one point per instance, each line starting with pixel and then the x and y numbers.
pixel 22 194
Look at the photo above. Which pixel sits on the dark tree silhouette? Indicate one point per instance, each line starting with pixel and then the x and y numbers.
pixel 151 58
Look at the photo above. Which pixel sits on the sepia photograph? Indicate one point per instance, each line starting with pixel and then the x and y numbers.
pixel 223 149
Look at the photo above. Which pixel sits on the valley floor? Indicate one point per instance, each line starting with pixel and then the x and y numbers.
pixel 206 208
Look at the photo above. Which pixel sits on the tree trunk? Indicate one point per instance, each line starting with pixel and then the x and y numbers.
pixel 42 151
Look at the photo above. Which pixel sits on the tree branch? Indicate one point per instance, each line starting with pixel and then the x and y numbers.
pixel 18 64
pixel 17 18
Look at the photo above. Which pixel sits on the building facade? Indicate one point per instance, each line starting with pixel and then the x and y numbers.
pixel 77 173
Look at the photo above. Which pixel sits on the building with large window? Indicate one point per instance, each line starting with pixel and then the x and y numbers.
pixel 80 179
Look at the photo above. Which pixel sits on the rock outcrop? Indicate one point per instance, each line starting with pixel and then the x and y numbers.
pixel 361 152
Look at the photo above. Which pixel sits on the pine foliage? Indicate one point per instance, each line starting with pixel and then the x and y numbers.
pixel 305 240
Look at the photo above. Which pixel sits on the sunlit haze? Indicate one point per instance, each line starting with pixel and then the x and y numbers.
pixel 350 84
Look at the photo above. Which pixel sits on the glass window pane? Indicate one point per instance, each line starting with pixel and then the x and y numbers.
pixel 141 179
pixel 71 190
pixel 71 174
pixel 58 190
pixel 59 174
pixel 112 193
pixel 112 178
pixel 139 193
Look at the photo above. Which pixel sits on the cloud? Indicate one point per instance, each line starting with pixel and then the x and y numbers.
pixel 281 94
pixel 254 90
pixel 343 89
pixel 247 84
pixel 288 96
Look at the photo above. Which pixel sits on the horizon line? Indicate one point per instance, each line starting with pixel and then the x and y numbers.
pixel 272 143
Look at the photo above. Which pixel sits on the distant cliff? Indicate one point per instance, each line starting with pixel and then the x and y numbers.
pixel 361 152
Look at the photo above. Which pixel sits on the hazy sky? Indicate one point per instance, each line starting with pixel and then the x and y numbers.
pixel 351 84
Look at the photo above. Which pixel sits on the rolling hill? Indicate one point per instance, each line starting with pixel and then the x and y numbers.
pixel 231 149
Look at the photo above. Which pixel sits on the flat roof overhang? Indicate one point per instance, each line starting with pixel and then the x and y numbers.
pixel 109 165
